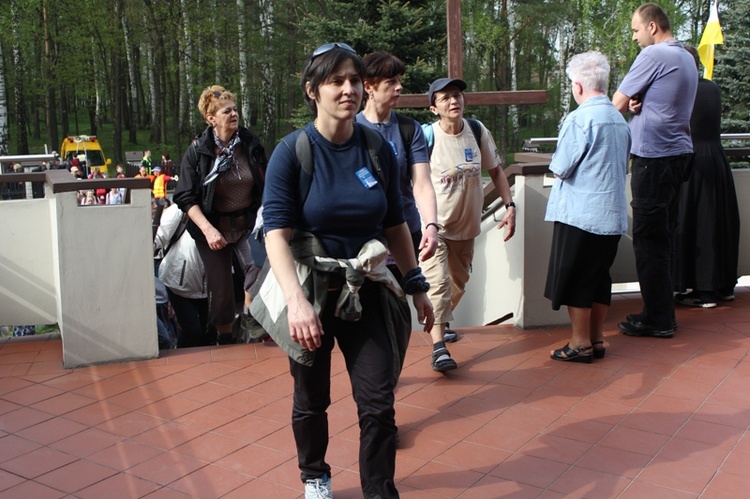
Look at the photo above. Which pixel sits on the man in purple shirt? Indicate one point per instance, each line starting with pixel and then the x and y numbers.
pixel 659 91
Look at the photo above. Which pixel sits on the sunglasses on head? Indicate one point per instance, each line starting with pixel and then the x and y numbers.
pixel 216 93
pixel 327 47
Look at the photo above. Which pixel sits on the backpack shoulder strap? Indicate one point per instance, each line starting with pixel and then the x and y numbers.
pixel 406 130
pixel 476 129
pixel 303 152
pixel 298 143
pixel 429 137
pixel 374 142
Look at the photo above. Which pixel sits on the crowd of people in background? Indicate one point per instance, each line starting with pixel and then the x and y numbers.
pixel 160 176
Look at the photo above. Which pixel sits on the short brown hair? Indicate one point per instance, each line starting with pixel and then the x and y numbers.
pixel 382 66
pixel 318 68
pixel 650 12
pixel 212 97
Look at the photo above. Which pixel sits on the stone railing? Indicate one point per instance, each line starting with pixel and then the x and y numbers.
pixel 508 278
pixel 87 268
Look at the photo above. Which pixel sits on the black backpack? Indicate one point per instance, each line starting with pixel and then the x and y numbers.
pixel 406 130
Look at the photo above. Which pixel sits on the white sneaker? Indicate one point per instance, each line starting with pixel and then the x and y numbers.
pixel 320 488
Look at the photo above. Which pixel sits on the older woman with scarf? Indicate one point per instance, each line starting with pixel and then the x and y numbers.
pixel 220 188
pixel 332 229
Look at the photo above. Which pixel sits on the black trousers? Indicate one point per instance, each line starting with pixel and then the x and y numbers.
pixel 655 184
pixel 369 361
pixel 219 281
pixel 192 316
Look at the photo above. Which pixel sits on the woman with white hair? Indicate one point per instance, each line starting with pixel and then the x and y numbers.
pixel 587 204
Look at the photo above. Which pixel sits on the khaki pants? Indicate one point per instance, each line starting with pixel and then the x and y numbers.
pixel 448 272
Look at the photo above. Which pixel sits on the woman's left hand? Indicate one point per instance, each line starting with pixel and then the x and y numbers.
pixel 424 310
pixel 509 222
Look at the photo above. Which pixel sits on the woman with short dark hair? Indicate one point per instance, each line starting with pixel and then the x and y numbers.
pixel 382 91
pixel 337 227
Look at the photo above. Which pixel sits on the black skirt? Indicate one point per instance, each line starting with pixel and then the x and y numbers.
pixel 579 263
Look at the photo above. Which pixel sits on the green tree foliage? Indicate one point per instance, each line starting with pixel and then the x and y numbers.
pixel 413 31
pixel 732 65
pixel 79 69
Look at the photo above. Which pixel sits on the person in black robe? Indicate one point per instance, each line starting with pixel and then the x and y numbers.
pixel 708 235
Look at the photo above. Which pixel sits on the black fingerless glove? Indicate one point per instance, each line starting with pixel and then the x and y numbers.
pixel 415 282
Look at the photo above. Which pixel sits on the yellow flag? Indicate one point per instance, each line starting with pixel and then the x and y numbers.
pixel 711 36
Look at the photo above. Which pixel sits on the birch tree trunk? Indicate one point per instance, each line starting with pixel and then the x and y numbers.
pixel 567 42
pixel 187 96
pixel 513 109
pixel 3 109
pixel 268 88
pixel 217 42
pixel 22 139
pixel 135 115
pixel 50 104
pixel 95 110
pixel 151 76
pixel 244 93
pixel 117 87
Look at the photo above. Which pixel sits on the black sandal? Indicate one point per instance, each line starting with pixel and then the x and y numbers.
pixel 599 351
pixel 567 354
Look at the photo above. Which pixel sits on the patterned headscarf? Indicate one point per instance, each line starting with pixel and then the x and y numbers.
pixel 225 158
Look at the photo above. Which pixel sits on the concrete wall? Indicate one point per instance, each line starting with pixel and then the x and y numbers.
pixel 106 280
pixel 27 264
pixel 510 277
pixel 87 268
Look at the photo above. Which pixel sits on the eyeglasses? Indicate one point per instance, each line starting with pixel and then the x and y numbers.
pixel 327 47
pixel 216 93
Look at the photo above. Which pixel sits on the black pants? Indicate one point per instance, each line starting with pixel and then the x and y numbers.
pixel 218 264
pixel 655 184
pixel 192 316
pixel 369 362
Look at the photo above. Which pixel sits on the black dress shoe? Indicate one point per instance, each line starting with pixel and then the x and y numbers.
pixel 637 328
pixel 636 318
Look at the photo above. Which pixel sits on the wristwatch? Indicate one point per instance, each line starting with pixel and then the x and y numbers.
pixel 510 204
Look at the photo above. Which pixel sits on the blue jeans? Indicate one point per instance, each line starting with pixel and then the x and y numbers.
pixel 655 184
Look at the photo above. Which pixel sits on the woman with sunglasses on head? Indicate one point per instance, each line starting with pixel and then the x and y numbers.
pixel 220 188
pixel 348 210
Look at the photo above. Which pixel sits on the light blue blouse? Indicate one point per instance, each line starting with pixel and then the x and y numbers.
pixel 591 164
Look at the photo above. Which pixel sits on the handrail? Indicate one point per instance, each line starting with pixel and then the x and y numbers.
pixel 490 205
pixel 546 141
pixel 28 158
pixel 63 181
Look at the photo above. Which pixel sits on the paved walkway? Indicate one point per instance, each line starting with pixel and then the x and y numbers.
pixel 655 418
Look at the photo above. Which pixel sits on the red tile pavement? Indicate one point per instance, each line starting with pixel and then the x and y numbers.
pixel 655 418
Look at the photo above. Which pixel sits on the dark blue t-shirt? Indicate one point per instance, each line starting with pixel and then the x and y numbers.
pixel 340 210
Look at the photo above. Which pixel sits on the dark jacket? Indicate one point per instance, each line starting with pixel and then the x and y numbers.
pixel 198 161
pixel 269 305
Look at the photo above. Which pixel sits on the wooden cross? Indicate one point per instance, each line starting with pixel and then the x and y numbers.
pixel 455 70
